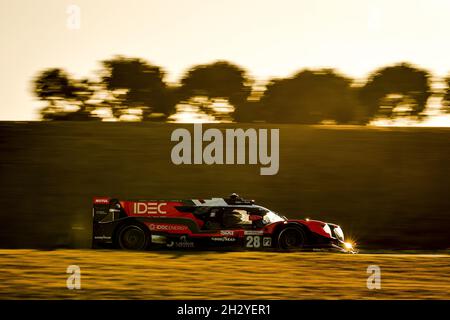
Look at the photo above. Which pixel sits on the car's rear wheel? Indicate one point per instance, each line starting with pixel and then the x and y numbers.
pixel 291 238
pixel 133 237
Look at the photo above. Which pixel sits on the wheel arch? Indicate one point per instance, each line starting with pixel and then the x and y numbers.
pixel 126 222
pixel 296 225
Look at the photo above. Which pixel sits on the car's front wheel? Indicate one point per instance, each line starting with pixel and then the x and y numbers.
pixel 291 238
pixel 133 237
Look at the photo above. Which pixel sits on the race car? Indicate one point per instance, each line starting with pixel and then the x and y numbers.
pixel 215 223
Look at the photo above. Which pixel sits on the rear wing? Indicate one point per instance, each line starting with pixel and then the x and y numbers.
pixel 105 210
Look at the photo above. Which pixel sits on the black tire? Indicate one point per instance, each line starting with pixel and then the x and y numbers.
pixel 291 238
pixel 133 237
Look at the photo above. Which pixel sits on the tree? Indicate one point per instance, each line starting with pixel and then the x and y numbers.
pixel 396 90
pixel 446 98
pixel 218 80
pixel 310 97
pixel 134 83
pixel 66 97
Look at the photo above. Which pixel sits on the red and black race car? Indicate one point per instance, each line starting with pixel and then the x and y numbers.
pixel 206 223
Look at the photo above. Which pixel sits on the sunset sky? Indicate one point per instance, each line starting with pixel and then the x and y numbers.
pixel 267 37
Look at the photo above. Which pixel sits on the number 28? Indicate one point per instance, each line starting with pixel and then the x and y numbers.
pixel 253 241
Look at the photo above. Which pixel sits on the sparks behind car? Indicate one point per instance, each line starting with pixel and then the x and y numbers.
pixel 206 223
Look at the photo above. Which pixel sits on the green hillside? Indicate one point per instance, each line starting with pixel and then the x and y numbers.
pixel 388 188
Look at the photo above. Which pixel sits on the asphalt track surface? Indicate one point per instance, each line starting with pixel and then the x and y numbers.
pixel 109 274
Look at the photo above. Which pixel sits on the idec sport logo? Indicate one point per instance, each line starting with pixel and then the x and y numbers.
pixel 149 208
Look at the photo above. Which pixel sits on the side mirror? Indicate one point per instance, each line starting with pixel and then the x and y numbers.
pixel 255 217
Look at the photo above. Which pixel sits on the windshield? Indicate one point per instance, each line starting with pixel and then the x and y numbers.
pixel 272 217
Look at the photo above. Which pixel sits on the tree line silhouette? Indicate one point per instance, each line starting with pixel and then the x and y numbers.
pixel 307 97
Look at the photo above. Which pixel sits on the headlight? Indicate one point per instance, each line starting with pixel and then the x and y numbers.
pixel 327 229
pixel 348 245
pixel 339 234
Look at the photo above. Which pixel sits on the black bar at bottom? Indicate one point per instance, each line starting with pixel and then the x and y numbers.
pixel 226 309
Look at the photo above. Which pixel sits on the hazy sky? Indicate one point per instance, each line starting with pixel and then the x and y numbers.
pixel 268 37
